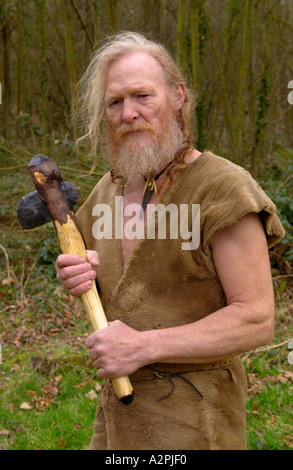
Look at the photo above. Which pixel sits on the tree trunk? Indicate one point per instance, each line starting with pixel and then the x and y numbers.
pixel 242 78
pixel 21 70
pixel 263 99
pixel 95 20
pixel 6 82
pixel 195 9
pixel 180 33
pixel 69 53
pixel 194 15
pixel 43 74
pixel 111 12
pixel 222 84
pixel 161 15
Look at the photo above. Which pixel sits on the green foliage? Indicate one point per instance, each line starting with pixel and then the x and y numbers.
pixel 278 185
pixel 47 254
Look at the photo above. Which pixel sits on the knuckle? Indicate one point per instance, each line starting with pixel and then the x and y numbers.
pixel 60 260
pixel 109 371
pixel 73 292
pixel 70 282
pixel 90 266
pixel 65 273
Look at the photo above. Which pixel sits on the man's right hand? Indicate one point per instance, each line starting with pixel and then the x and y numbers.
pixel 75 273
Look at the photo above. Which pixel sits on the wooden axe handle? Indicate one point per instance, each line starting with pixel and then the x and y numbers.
pixel 71 242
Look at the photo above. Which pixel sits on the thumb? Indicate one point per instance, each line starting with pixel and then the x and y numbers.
pixel 93 258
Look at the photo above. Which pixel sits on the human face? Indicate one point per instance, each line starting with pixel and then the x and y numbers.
pixel 143 134
pixel 138 100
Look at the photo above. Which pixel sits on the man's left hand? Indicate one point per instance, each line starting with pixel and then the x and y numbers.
pixel 115 351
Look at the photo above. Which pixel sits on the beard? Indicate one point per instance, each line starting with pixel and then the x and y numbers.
pixel 131 157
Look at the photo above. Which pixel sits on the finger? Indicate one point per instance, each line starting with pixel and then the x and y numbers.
pixel 101 369
pixel 73 271
pixel 69 260
pixel 81 289
pixel 90 341
pixel 93 355
pixel 93 258
pixel 101 373
pixel 75 281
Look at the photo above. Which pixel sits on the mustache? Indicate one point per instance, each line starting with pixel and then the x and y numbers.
pixel 127 128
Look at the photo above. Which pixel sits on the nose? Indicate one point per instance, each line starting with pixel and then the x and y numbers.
pixel 129 112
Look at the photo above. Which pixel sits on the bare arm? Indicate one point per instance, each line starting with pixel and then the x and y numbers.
pixel 241 258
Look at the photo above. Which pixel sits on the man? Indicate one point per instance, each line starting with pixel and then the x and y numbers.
pixel 178 318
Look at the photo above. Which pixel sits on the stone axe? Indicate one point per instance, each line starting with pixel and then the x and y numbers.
pixel 55 200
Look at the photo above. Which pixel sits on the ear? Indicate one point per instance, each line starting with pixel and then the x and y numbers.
pixel 180 95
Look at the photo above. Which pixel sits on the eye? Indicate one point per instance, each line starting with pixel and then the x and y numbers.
pixel 114 103
pixel 142 96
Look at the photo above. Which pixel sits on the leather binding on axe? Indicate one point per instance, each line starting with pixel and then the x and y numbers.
pixel 47 179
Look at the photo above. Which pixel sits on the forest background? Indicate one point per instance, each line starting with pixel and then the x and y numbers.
pixel 237 55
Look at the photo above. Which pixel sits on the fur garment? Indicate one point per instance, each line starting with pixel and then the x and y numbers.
pixel 163 286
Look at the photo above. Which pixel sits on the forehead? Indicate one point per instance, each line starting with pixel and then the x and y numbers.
pixel 135 67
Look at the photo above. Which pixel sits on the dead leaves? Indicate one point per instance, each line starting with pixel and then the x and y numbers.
pixel 255 383
pixel 8 281
pixel 288 441
pixel 49 393
pixel 62 443
pixel 93 393
pixel 25 406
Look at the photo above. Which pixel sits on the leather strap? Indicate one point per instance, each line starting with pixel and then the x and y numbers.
pixel 185 368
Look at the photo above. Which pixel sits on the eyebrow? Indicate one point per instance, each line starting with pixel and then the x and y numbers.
pixel 143 89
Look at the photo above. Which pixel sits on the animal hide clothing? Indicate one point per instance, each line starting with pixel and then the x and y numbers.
pixel 161 286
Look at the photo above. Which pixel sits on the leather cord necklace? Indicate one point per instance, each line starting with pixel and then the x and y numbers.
pixel 151 186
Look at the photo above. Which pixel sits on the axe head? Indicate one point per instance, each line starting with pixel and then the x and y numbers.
pixel 31 209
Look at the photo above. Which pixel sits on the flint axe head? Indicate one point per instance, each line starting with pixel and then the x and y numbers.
pixel 33 212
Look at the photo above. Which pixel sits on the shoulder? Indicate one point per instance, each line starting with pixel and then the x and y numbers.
pixel 218 167
pixel 226 193
pixel 219 178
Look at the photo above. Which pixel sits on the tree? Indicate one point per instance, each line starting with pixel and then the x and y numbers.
pixel 111 12
pixel 180 33
pixel 6 17
pixel 69 50
pixel 195 12
pixel 21 66
pixel 43 72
